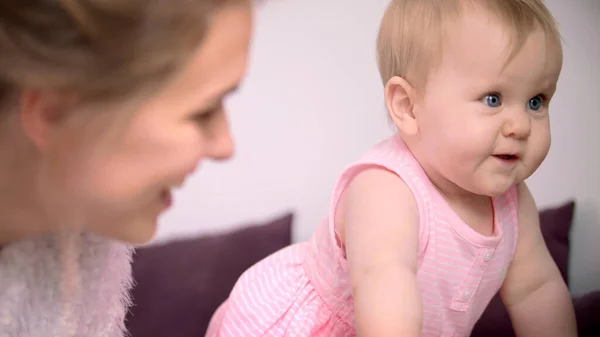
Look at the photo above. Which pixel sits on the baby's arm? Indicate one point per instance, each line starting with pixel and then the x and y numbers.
pixel 534 292
pixel 380 221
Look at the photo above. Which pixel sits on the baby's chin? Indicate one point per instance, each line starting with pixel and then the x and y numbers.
pixel 492 187
pixel 498 188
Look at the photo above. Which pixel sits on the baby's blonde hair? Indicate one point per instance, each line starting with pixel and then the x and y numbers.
pixel 411 34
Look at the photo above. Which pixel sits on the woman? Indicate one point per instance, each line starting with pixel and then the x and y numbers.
pixel 106 106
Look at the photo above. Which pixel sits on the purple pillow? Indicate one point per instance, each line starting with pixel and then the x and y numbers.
pixel 180 284
pixel 555 224
pixel 587 309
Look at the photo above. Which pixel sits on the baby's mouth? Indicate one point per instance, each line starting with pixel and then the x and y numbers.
pixel 507 157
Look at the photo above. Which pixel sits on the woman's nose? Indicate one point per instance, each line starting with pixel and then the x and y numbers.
pixel 220 144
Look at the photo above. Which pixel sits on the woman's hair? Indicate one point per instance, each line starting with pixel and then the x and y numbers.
pixel 97 48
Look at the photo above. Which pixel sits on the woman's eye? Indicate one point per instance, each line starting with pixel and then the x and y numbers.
pixel 492 100
pixel 535 103
pixel 206 117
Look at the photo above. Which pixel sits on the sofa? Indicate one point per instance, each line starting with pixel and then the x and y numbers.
pixel 179 284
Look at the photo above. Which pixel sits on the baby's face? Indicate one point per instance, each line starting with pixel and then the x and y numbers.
pixel 484 123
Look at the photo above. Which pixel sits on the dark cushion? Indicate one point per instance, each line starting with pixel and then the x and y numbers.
pixel 587 309
pixel 180 284
pixel 555 224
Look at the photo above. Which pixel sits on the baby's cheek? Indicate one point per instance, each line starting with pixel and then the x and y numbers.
pixel 539 142
pixel 456 138
pixel 538 154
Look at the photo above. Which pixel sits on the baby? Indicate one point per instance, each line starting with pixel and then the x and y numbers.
pixel 430 224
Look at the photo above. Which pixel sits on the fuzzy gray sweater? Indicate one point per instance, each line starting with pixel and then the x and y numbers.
pixel 64 285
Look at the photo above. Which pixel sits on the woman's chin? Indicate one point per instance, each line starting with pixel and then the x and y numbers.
pixel 138 231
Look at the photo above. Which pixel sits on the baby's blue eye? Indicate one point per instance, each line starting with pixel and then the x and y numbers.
pixel 535 103
pixel 492 100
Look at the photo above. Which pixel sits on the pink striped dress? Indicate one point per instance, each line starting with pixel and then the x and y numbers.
pixel 304 289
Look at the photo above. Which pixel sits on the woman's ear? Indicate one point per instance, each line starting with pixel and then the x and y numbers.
pixel 42 113
pixel 400 102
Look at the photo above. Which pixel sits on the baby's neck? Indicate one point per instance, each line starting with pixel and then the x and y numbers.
pixel 452 192
pixel 474 210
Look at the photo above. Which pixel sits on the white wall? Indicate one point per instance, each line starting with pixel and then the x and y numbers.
pixel 312 103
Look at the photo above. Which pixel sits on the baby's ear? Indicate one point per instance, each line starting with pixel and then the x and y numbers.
pixel 400 100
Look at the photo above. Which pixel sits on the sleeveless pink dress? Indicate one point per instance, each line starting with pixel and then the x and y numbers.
pixel 304 289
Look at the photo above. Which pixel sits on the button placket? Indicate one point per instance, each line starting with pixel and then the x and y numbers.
pixel 466 295
pixel 463 298
pixel 488 255
pixel 466 292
